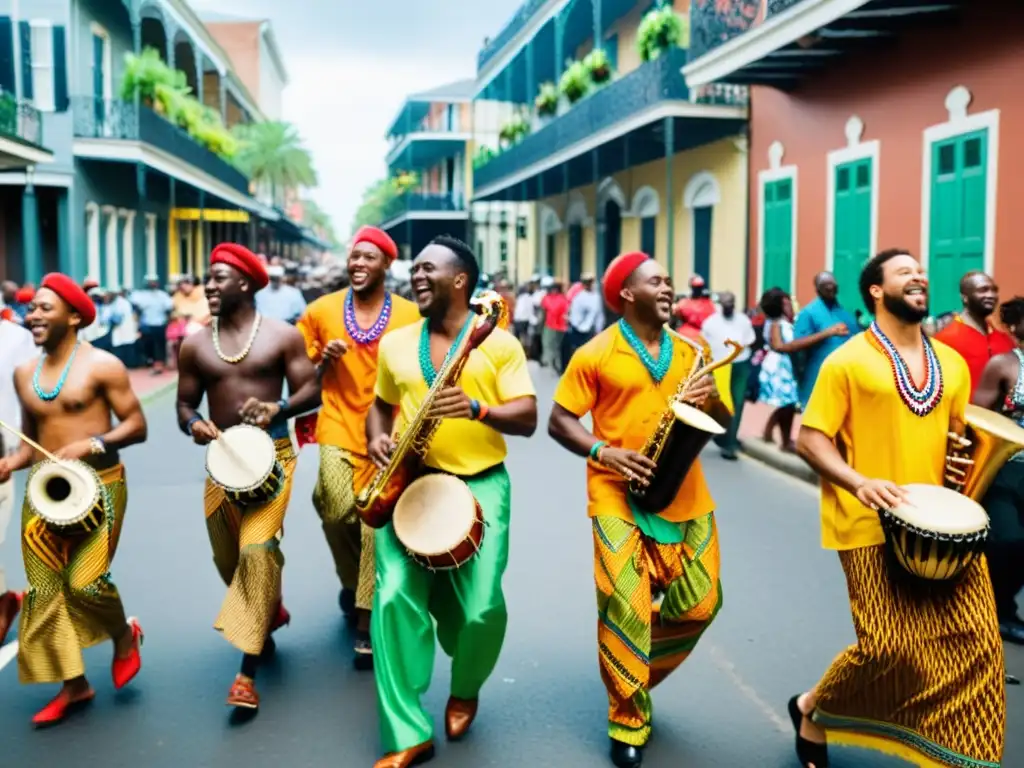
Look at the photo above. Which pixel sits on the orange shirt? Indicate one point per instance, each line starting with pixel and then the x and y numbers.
pixel 348 384
pixel 606 378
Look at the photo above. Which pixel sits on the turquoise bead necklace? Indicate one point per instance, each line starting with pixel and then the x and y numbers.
pixel 53 394
pixel 426 364
pixel 657 368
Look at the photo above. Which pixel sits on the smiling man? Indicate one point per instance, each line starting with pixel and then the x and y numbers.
pixel 343 332
pixel 241 363
pixel 70 397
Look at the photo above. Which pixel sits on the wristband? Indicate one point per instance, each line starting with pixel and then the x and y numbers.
pixel 474 409
pixel 595 449
pixel 191 423
pixel 483 410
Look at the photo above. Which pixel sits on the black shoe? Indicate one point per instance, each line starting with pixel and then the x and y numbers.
pixel 347 602
pixel 364 653
pixel 807 752
pixel 1012 630
pixel 626 755
pixel 730 456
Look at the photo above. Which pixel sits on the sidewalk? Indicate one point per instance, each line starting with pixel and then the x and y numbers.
pixel 147 386
pixel 755 415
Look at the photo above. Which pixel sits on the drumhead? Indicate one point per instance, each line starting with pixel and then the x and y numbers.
pixel 241 458
pixel 996 423
pixel 942 510
pixel 434 514
pixel 695 417
pixel 63 492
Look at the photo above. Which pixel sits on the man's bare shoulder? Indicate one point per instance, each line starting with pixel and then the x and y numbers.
pixel 279 329
pixel 197 340
pixel 103 364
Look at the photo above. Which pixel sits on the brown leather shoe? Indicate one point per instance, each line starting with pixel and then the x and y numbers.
pixel 458 716
pixel 414 756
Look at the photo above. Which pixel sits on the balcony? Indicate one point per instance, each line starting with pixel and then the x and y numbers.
pixel 622 121
pixel 21 134
pixel 424 205
pixel 516 24
pixel 425 146
pixel 105 124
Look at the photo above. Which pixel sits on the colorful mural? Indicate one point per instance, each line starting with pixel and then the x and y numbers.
pixel 713 22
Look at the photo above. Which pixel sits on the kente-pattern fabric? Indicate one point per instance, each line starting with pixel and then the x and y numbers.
pixel 246 544
pixel 350 539
pixel 71 603
pixel 924 681
pixel 641 643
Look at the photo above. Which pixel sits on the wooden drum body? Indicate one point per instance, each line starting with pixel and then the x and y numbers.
pixel 938 534
pixel 243 463
pixel 439 522
pixel 67 496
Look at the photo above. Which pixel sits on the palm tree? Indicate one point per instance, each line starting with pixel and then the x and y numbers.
pixel 273 156
pixel 317 219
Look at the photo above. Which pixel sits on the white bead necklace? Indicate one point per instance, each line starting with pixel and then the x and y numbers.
pixel 245 351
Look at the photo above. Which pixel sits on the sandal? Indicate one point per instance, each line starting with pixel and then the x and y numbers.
pixel 243 693
pixel 807 752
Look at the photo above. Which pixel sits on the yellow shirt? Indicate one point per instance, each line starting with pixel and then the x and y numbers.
pixel 495 373
pixel 856 403
pixel 607 379
pixel 347 384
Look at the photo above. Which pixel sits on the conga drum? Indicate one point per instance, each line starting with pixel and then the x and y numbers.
pixel 439 522
pixel 243 463
pixel 67 496
pixel 937 533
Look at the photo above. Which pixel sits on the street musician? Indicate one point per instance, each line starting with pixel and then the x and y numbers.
pixel 624 377
pixel 494 396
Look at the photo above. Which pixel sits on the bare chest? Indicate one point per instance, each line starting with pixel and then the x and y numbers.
pixel 263 361
pixel 52 395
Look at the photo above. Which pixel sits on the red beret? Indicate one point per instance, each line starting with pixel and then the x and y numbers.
pixel 377 237
pixel 25 295
pixel 242 259
pixel 73 295
pixel 616 275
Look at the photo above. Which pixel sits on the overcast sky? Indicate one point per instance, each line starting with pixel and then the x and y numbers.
pixel 352 62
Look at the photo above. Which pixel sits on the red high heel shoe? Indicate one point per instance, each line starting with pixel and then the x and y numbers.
pixel 61 706
pixel 10 605
pixel 283 618
pixel 123 670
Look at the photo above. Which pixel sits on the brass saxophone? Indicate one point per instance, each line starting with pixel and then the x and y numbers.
pixel 680 436
pixel 978 449
pixel 375 503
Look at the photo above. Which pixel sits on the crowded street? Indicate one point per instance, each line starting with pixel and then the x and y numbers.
pixel 785 616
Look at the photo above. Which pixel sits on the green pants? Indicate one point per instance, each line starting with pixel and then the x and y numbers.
pixel 468 605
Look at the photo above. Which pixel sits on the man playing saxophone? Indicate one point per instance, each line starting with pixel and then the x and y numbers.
pixel 624 377
pixel 494 396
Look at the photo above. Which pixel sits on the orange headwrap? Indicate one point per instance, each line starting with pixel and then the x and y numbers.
pixel 617 274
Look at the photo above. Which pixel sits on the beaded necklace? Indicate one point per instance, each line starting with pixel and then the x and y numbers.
pixel 372 333
pixel 426 364
pixel 53 393
pixel 245 350
pixel 657 368
pixel 921 401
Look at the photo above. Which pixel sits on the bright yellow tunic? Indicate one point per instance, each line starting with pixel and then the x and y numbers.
pixel 855 402
pixel 495 373
pixel 607 379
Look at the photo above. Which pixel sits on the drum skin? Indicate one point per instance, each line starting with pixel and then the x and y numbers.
pixel 244 452
pixel 450 549
pixel 463 552
pixel 74 516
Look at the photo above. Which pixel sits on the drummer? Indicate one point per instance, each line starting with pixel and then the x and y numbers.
pixel 926 675
pixel 623 377
pixel 71 396
pixel 241 363
pixel 496 397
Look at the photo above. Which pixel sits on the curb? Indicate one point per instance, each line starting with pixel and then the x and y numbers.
pixel 153 394
pixel 783 462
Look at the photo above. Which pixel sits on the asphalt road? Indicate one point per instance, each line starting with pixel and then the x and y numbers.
pixel 785 617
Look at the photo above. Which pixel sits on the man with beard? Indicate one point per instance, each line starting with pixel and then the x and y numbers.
pixel 624 377
pixel 241 363
pixel 971 333
pixel 925 678
pixel 1001 389
pixel 342 333
pixel 822 314
pixel 495 397
pixel 70 397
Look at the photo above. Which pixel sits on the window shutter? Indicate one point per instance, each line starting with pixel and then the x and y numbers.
pixel 60 70
pixel 26 61
pixel 7 55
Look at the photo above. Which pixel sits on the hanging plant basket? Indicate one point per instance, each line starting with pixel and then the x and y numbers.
pixel 598 65
pixel 514 130
pixel 546 102
pixel 575 82
pixel 660 30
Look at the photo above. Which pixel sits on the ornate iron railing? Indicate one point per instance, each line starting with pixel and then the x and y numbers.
pixel 491 47
pixel 713 23
pixel 423 201
pixel 722 94
pixel 114 119
pixel 20 119
pixel 644 87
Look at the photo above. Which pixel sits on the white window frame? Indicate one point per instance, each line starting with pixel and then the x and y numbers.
pixel 855 150
pixel 958 124
pixel 776 172
pixel 42 70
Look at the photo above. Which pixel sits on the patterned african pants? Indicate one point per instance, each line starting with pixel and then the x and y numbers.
pixel 246 544
pixel 71 603
pixel 640 642
pixel 350 540
pixel 925 681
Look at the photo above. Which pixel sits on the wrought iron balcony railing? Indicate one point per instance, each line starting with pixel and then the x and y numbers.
pixel 121 120
pixel 491 48
pixel 423 201
pixel 20 120
pixel 712 24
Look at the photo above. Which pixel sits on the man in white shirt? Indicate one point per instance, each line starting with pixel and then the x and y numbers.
pixel 586 316
pixel 16 347
pixel 279 300
pixel 720 327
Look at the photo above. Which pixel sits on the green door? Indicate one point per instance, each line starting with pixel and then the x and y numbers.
pixel 957 231
pixel 778 234
pixel 851 246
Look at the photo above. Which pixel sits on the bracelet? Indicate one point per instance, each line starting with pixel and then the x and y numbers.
pixel 595 450
pixel 98 446
pixel 191 423
pixel 482 411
